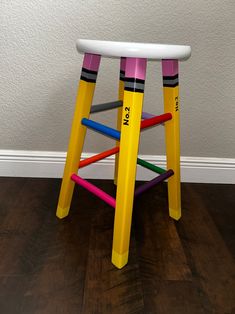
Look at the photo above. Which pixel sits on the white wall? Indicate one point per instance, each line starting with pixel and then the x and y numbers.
pixel 39 69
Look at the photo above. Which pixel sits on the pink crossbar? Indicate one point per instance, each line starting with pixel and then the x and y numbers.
pixel 93 189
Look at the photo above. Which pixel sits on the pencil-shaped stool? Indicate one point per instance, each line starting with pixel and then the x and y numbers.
pixel 131 120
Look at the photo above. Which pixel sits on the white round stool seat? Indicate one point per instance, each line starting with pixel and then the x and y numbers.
pixel 116 49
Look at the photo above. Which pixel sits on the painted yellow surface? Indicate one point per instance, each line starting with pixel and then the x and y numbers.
pixel 172 133
pixel 130 130
pixel 119 122
pixel 77 136
pixel 119 260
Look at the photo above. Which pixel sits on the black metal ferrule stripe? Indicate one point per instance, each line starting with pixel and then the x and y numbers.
pixel 134 80
pixel 87 79
pixel 89 71
pixel 89 75
pixel 171 77
pixel 134 85
pixel 171 85
pixel 134 90
pixel 122 75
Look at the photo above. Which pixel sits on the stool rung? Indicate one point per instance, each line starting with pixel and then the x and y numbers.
pixel 115 150
pixel 116 104
pixel 153 182
pixel 106 106
pixel 94 190
pixel 90 160
pixel 150 166
pixel 96 126
pixel 155 120
pixel 101 128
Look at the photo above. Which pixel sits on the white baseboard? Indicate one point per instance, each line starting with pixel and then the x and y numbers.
pixel 45 164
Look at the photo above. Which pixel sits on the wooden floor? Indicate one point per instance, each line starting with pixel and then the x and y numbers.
pixel 63 266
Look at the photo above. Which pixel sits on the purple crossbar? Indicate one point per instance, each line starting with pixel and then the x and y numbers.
pixel 146 115
pixel 153 182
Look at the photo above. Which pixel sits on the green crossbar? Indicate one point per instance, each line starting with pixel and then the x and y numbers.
pixel 150 166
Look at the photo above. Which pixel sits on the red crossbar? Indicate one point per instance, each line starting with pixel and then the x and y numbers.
pixel 155 120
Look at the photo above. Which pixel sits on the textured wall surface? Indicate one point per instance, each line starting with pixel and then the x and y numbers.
pixel 40 68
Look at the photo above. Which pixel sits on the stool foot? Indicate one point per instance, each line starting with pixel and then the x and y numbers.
pixel 62 212
pixel 174 193
pixel 119 260
pixel 175 214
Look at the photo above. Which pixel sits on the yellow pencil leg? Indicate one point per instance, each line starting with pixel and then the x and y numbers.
pixel 130 130
pixel 119 113
pixel 77 136
pixel 172 134
pixel 126 176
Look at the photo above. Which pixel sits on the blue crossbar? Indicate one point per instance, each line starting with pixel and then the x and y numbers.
pixel 101 128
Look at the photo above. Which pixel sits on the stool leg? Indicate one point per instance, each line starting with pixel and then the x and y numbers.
pixel 130 130
pixel 82 109
pixel 172 134
pixel 119 113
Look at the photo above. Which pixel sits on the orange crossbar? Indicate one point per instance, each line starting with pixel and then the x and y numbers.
pixel 98 157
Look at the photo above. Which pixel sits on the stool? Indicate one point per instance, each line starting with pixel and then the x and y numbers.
pixel 130 121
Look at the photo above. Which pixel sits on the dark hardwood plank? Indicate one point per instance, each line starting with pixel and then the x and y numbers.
pixel 47 255
pixel 107 289
pixel 25 216
pixel 159 246
pixel 49 265
pixel 9 191
pixel 219 200
pixel 174 296
pixel 12 290
pixel 208 254
pixel 168 283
